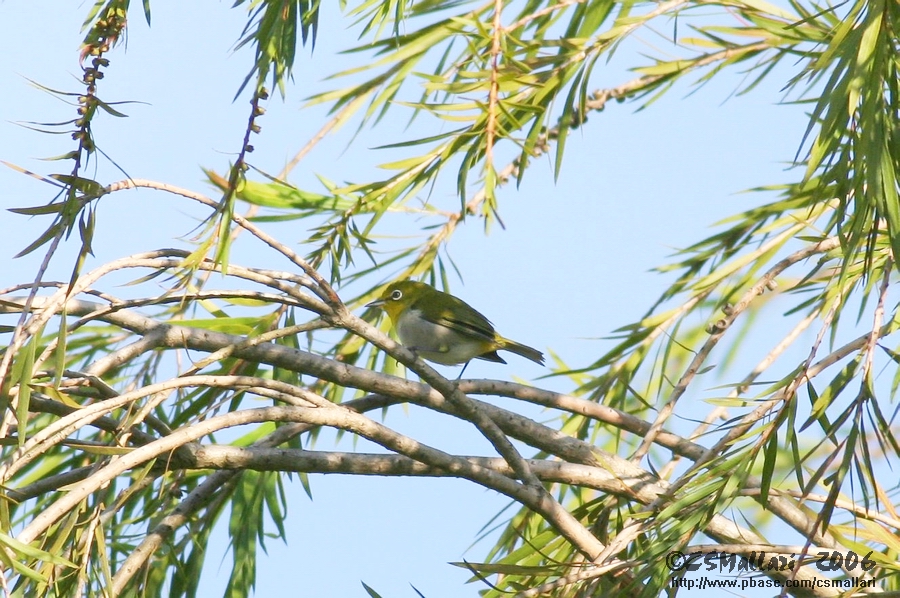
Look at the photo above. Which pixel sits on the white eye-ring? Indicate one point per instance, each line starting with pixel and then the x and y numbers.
pixel 396 295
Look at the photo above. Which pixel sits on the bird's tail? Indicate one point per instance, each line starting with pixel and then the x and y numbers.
pixel 523 350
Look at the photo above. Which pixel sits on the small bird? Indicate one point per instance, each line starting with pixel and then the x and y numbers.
pixel 443 329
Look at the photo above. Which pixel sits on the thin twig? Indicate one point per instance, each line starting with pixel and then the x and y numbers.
pixel 722 327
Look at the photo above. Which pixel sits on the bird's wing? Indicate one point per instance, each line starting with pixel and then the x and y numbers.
pixel 463 318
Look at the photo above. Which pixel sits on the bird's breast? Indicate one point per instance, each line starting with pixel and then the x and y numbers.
pixel 435 342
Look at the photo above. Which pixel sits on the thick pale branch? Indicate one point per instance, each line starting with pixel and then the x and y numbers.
pixel 335 416
pixel 224 457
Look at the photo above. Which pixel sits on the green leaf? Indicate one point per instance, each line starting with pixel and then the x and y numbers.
pixel 372 593
pixel 22 373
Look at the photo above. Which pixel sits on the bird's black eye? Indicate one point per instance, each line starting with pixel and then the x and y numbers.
pixel 396 295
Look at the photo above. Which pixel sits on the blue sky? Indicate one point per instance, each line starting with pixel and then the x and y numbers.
pixel 572 265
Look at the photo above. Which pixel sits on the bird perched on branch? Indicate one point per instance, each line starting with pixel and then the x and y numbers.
pixel 444 329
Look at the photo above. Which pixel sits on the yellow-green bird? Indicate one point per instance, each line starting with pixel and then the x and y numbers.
pixel 444 329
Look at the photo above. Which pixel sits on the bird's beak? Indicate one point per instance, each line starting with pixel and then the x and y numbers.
pixel 376 303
